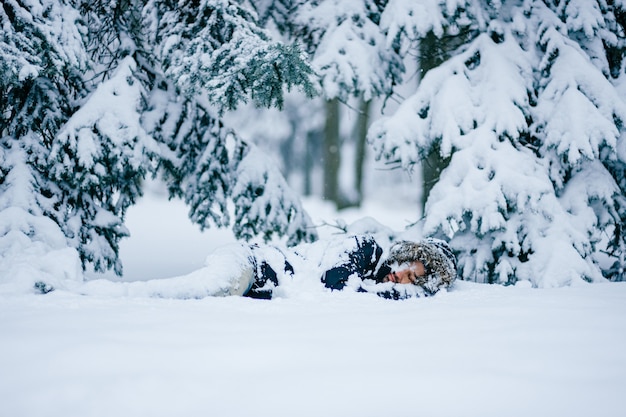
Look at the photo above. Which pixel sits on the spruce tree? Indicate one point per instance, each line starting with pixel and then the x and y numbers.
pixel 348 48
pixel 528 114
pixel 214 57
pixel 102 153
pixel 41 64
pixel 101 156
pixel 96 95
pixel 580 118
pixel 171 70
pixel 217 49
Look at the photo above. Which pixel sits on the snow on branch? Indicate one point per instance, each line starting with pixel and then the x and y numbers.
pixel 264 203
pixel 216 49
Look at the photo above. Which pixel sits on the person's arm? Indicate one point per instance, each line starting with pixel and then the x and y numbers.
pixel 362 260
pixel 265 276
pixel 336 278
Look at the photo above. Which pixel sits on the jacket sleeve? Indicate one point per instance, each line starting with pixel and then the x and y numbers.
pixel 362 260
pixel 269 266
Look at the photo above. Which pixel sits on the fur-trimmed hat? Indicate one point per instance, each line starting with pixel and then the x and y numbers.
pixel 436 256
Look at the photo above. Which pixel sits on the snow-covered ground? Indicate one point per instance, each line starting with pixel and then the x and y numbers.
pixel 477 350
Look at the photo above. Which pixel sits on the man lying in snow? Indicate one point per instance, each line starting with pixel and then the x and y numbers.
pixel 409 269
pixel 357 262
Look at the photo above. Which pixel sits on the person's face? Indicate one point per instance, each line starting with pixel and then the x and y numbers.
pixel 408 275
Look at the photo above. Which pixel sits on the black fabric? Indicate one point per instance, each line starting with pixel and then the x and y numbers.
pixel 259 288
pixel 337 277
pixel 264 273
pixel 362 260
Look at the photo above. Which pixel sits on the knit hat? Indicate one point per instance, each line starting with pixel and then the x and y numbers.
pixel 436 256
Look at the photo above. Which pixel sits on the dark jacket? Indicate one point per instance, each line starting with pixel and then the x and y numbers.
pixel 363 261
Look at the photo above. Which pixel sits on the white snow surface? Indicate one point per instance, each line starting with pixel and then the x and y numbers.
pixel 475 350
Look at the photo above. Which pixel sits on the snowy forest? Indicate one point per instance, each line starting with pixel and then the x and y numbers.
pixel 509 113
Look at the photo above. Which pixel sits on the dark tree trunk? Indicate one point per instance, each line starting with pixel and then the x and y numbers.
pixel 332 154
pixel 361 148
pixel 308 167
pixel 433 51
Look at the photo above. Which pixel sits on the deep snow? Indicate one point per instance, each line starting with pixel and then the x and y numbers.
pixel 477 350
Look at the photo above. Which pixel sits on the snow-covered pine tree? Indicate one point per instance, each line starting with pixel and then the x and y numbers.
pixel 580 119
pixel 102 153
pixel 170 69
pixel 208 165
pixel 533 127
pixel 348 48
pixel 278 12
pixel 101 156
pixel 41 64
pixel 80 124
pixel 214 57
pixel 217 49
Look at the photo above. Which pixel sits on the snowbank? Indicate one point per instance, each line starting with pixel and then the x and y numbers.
pixel 478 350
